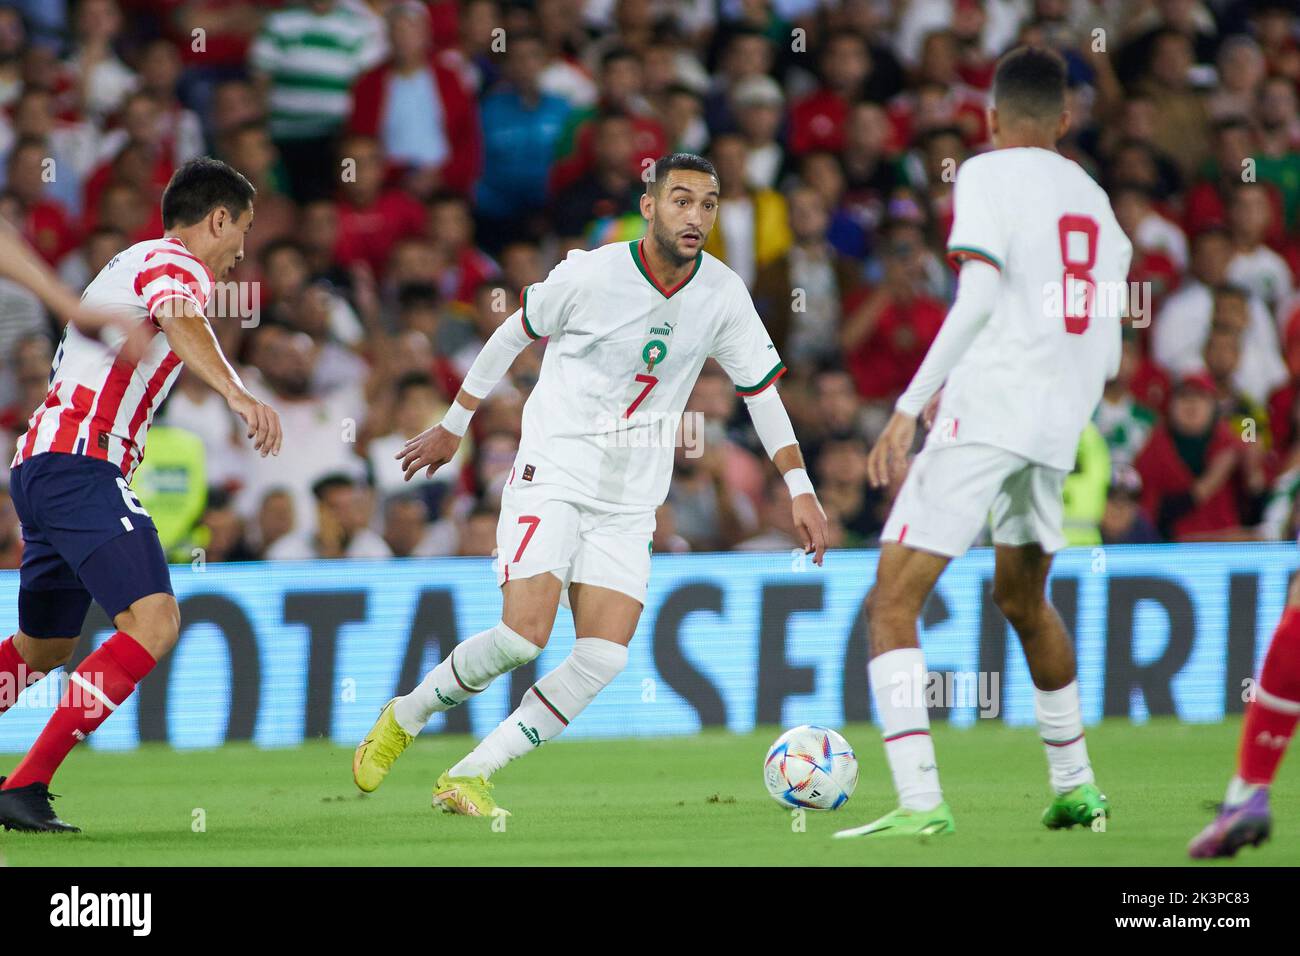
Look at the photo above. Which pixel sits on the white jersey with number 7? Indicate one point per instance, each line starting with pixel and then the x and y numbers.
pixel 1032 377
pixel 622 358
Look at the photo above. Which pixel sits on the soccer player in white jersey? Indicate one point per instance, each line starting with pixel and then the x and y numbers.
pixel 85 534
pixel 629 326
pixel 1029 342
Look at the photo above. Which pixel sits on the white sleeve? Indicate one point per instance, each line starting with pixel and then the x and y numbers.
pixel 977 293
pixel 497 355
pixel 979 229
pixel 546 305
pixel 744 349
pixel 771 421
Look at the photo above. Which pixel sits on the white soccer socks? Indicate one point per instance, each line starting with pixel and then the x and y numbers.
pixel 898 688
pixel 548 707
pixel 1060 724
pixel 466 671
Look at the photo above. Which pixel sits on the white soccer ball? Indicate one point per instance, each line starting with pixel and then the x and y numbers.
pixel 811 767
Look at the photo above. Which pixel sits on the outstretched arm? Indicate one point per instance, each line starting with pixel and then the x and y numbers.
pixel 433 448
pixel 977 293
pixel 767 412
pixel 190 336
pixel 20 263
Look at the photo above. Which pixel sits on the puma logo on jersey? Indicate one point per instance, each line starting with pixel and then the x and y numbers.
pixel 664 329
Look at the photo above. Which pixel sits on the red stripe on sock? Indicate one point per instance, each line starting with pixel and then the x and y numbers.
pixel 451 659
pixel 113 670
pixel 907 733
pixel 551 707
pixel 1062 743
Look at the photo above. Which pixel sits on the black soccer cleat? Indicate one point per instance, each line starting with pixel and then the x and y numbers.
pixel 28 809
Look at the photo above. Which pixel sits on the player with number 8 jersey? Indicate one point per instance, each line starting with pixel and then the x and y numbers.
pixel 1018 368
pixel 628 327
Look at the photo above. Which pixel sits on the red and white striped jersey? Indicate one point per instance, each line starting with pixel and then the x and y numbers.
pixel 99 404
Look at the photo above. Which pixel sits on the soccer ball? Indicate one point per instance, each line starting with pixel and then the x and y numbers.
pixel 811 767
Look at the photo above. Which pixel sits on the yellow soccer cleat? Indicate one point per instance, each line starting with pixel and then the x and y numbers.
pixel 468 796
pixel 375 755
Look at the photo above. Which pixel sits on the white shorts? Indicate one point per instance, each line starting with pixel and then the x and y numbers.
pixel 952 490
pixel 538 532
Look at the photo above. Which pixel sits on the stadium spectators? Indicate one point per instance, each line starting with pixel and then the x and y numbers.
pixel 419 109
pixel 418 164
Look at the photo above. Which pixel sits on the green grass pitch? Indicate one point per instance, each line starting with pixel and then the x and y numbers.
pixel 680 801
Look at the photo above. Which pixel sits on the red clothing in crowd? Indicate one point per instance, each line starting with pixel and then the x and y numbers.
pixel 368 233
pixel 817 122
pixel 220 48
pixel 963 108
pixel 49 228
pixel 460 120
pixel 883 364
pixel 472 267
pixel 1204 207
pixel 1153 267
pixel 648 143
pixel 1151 385
pixel 1165 474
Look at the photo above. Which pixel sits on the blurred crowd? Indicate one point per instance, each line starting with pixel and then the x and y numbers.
pixel 419 163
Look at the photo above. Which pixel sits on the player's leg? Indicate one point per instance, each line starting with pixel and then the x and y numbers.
pixel 1027 517
pixel 536 537
pixel 560 696
pixel 52 606
pixel 128 577
pixel 897 675
pixel 41 643
pixel 939 511
pixel 1244 818
pixel 146 630
pixel 528 613
pixel 528 609
pixel 610 570
pixel 1019 591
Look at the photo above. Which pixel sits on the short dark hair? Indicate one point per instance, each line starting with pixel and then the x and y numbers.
pixel 615 54
pixel 1229 290
pixel 1213 230
pixel 278 245
pixel 1030 82
pixel 666 164
pixel 327 483
pixel 202 185
pixel 417 295
pixel 1228 124
pixel 406 498
pixel 413 380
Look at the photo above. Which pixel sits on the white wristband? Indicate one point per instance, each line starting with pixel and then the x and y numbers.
pixel 797 480
pixel 457 419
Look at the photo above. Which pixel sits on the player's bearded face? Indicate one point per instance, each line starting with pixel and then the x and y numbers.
pixel 684 214
pixel 670 243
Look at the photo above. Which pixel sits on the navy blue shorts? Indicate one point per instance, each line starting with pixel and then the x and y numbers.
pixel 85 535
